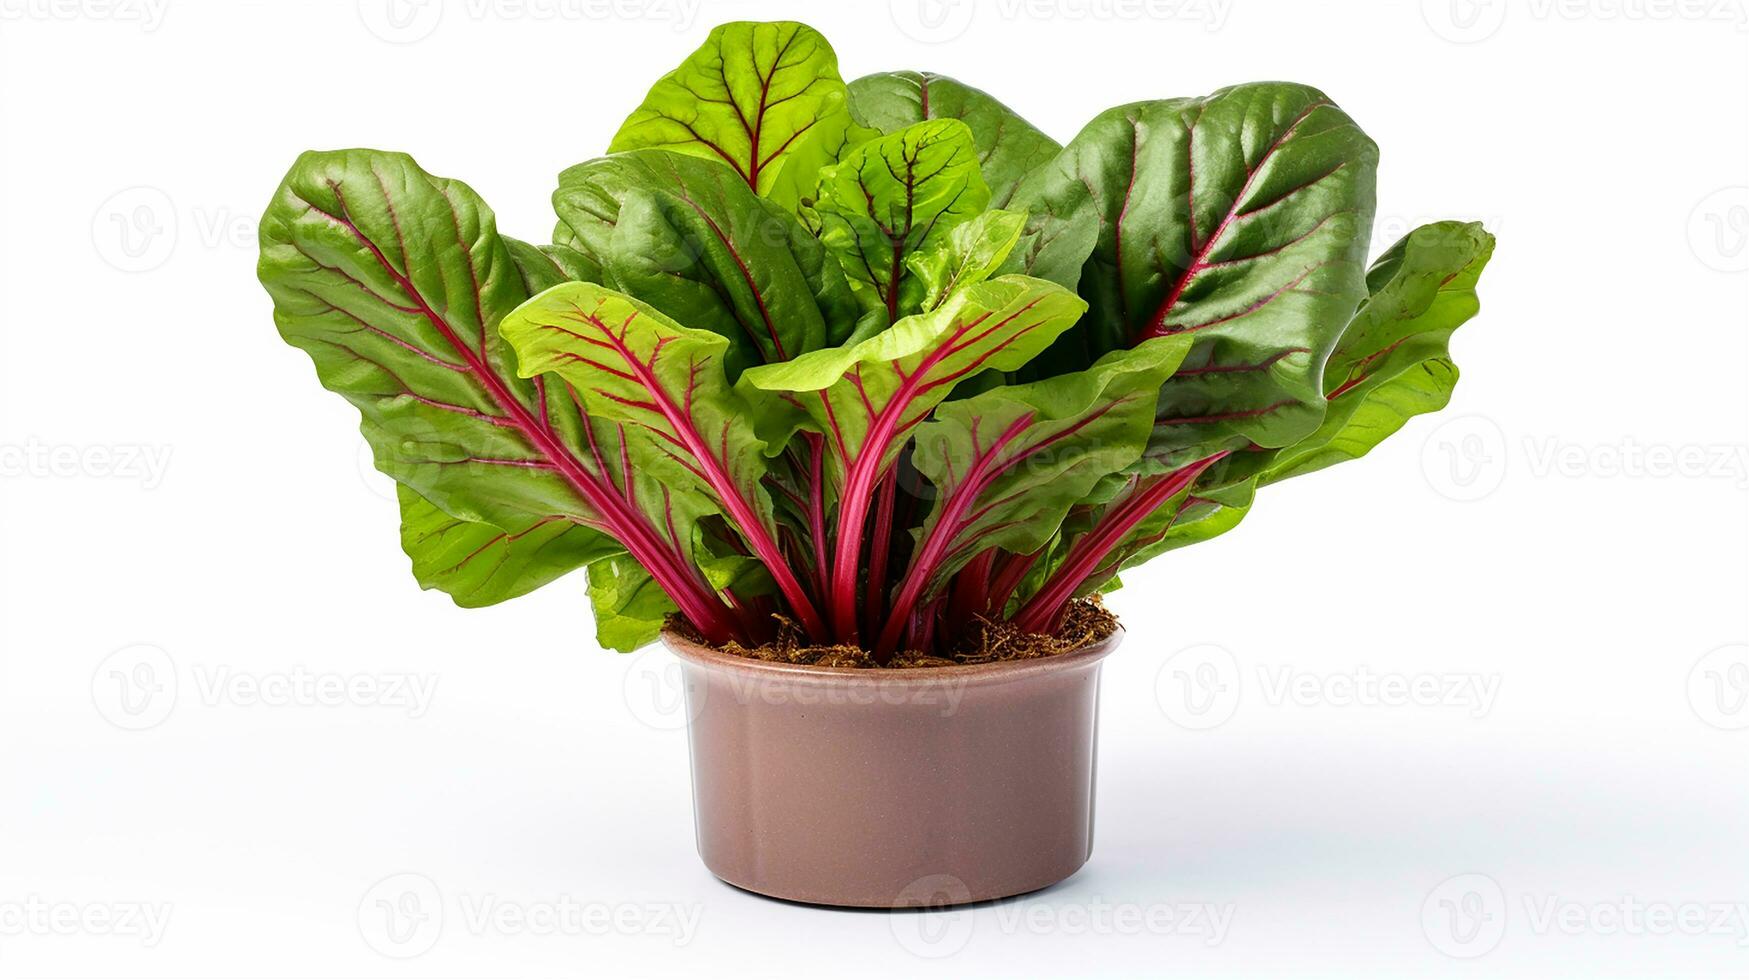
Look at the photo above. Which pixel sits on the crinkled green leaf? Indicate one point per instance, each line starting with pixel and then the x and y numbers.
pixel 629 607
pixel 867 397
pixel 1192 518
pixel 625 360
pixel 687 237
pixel 881 388
pixel 1240 219
pixel 1062 227
pixel 479 564
pixel 1394 361
pixel 630 610
pixel 538 267
pixel 740 574
pixel 1008 146
pixel 971 252
pixel 1106 538
pixel 395 282
pixel 1008 465
pixel 572 265
pixel 760 97
pixel 896 196
pixel 778 327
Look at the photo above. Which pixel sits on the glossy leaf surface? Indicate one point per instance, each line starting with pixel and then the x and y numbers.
pixel 894 197
pixel 395 283
pixel 1239 219
pixel 627 361
pixel 1008 146
pixel 1007 465
pixel 759 97
pixel 686 236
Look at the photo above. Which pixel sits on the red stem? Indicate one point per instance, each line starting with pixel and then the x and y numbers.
pixel 970 593
pixel 702 607
pixel 1042 610
pixel 956 517
pixel 921 629
pixel 880 546
pixel 859 481
pixel 948 526
pixel 715 472
pixel 862 473
pixel 1157 326
pixel 1008 577
pixel 817 505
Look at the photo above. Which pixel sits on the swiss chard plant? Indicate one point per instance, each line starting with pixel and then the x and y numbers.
pixel 866 361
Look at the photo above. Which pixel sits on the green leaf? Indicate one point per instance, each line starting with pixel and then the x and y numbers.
pixel 687 237
pixel 1008 146
pixel 625 360
pixel 760 97
pixel 893 197
pixel 630 610
pixel 480 564
pixel 1105 538
pixel 726 566
pixel 1008 465
pixel 1392 364
pixel 1394 361
pixel 1061 228
pixel 785 322
pixel 545 266
pixel 1240 219
pixel 629 362
pixel 971 252
pixel 1158 532
pixel 629 607
pixel 395 282
pixel 866 396
pixel 1194 517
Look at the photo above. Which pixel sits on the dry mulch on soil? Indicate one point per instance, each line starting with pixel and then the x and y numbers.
pixel 1086 622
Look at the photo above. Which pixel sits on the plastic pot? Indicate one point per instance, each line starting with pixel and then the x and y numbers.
pixel 892 788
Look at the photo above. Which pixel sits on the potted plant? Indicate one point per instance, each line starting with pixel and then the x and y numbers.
pixel 858 395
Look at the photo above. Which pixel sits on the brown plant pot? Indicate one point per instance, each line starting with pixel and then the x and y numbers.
pixel 891 788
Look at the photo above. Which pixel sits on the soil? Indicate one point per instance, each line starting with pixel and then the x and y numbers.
pixel 1086 622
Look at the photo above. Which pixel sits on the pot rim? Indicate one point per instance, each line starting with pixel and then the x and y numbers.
pixel 990 673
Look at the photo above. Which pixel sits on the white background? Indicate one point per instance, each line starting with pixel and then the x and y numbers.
pixel 1570 535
